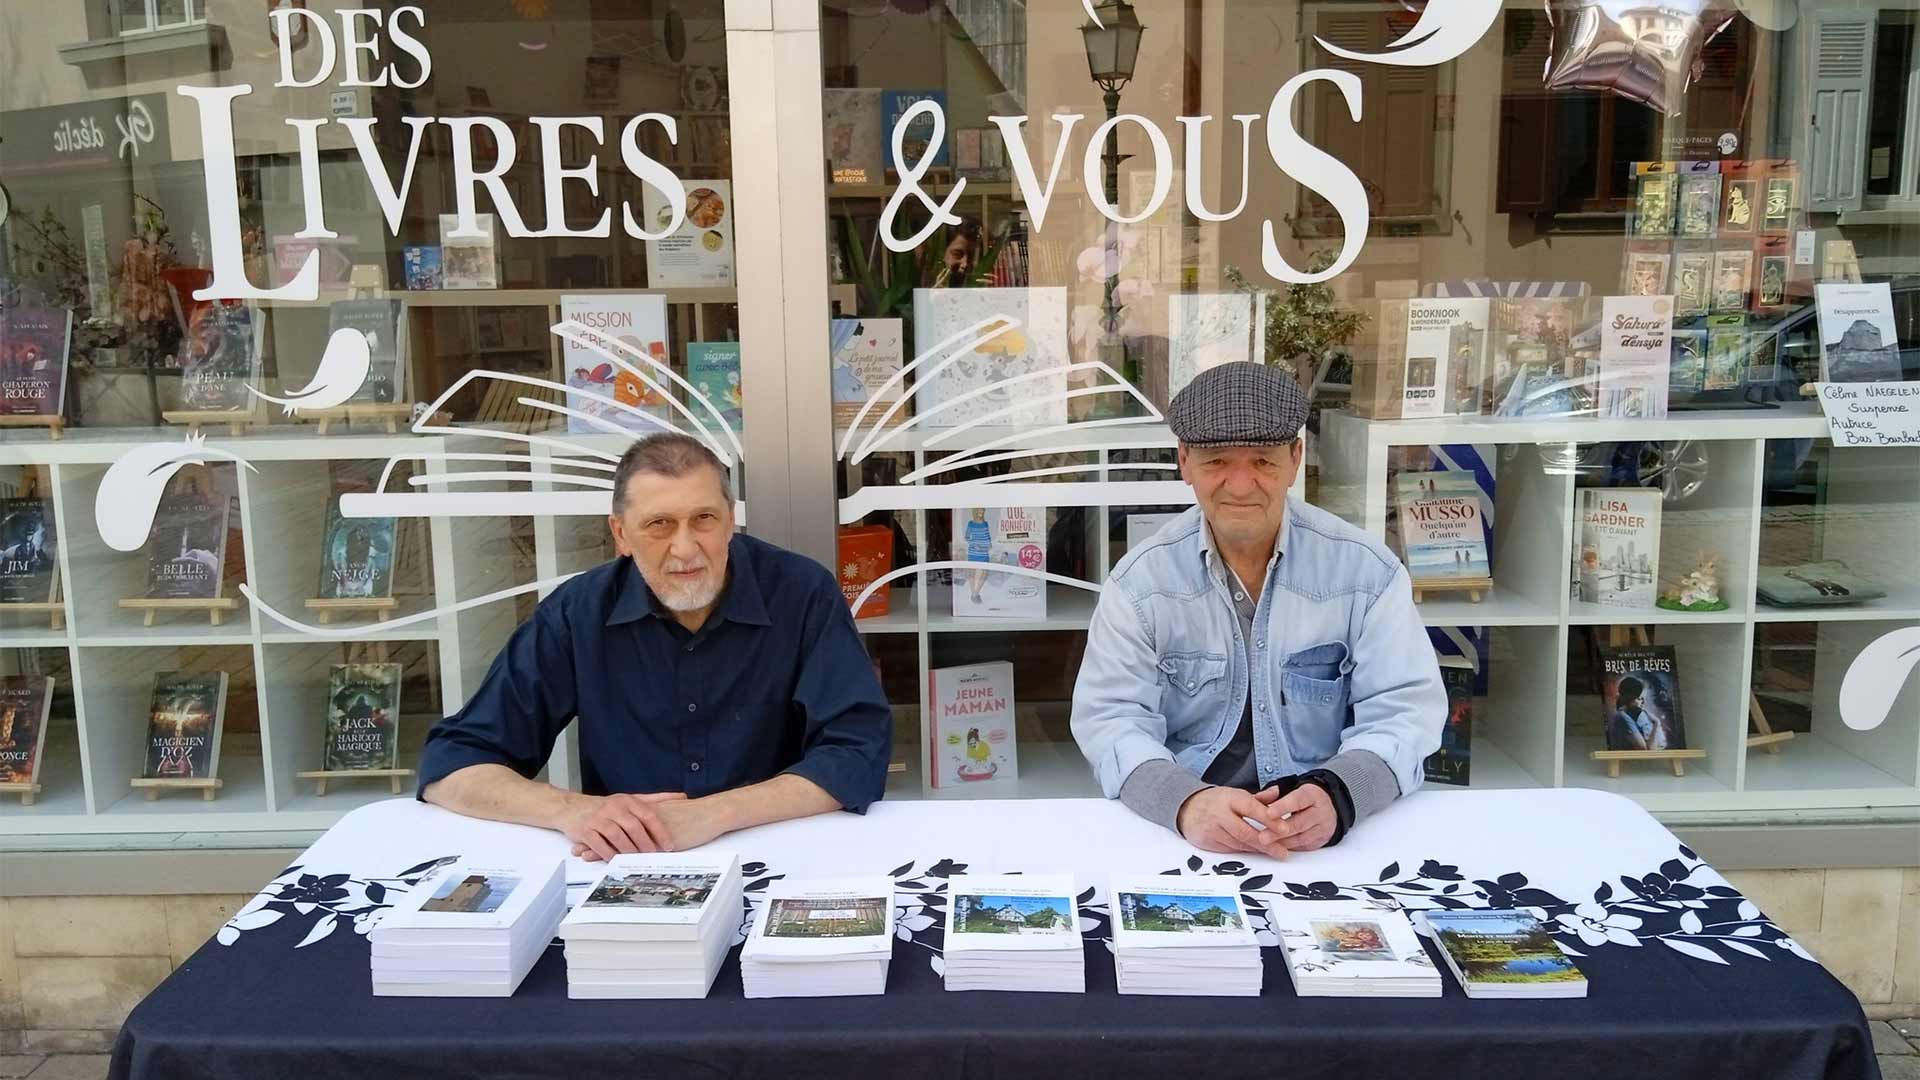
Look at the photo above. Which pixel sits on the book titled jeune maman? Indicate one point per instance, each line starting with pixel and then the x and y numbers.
pixel 973 728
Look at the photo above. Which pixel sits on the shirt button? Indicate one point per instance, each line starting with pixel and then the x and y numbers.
pixel 1191 684
pixel 691 707
pixel 693 766
pixel 1239 596
pixel 1259 644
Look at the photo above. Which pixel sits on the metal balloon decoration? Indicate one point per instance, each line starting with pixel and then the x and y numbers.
pixel 1642 51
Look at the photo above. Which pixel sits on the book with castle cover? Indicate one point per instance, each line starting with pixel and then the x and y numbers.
pixel 973 737
pixel 1453 763
pixel 713 367
pixel 29 551
pixel 33 360
pixel 1640 688
pixel 381 323
pixel 25 701
pixel 183 725
pixel 1000 536
pixel 1619 539
pixel 222 359
pixel 866 355
pixel 187 549
pixel 363 717
pixel 1504 954
pixel 1442 525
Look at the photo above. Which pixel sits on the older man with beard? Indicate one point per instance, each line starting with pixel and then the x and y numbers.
pixel 718 680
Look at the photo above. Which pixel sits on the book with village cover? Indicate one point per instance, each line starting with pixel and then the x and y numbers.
pixel 1619 536
pixel 187 548
pixel 29 550
pixel 1453 763
pixel 1013 536
pixel 1442 526
pixel 381 323
pixel 973 738
pixel 363 717
pixel 183 726
pixel 865 556
pixel 1640 691
pixel 33 360
pixel 713 367
pixel 1505 953
pixel 25 701
pixel 866 356
pixel 1178 911
pixel 468 262
pixel 222 358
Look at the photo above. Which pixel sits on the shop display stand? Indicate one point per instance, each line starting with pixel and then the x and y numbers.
pixel 237 422
pixel 1473 587
pixel 55 425
pixel 216 607
pixel 25 791
pixel 322 777
pixel 1620 637
pixel 207 787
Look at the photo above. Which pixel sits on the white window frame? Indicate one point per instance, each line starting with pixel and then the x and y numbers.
pixel 194 14
pixel 1907 169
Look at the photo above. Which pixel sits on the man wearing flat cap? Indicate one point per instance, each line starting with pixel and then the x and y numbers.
pixel 1256 677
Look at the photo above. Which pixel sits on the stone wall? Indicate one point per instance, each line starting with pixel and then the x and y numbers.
pixel 71 967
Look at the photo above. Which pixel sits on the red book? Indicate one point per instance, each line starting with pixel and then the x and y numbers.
pixel 866 555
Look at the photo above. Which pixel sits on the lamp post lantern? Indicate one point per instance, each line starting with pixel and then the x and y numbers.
pixel 1112 41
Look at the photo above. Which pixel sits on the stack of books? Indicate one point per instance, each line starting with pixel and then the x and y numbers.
pixel 822 938
pixel 1183 935
pixel 475 930
pixel 1353 950
pixel 1014 933
pixel 1504 954
pixel 653 926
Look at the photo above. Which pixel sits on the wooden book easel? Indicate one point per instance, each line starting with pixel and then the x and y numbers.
pixel 1473 587
pixel 207 787
pixel 25 791
pixel 1619 637
pixel 366 283
pixel 382 607
pixel 55 425
pixel 322 776
pixel 237 421
pixel 215 607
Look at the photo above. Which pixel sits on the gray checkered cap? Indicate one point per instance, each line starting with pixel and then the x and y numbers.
pixel 1239 404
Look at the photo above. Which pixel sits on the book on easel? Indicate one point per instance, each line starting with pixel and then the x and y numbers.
pixel 1640 692
pixel 357 555
pixel 29 566
pixel 183 731
pixel 187 548
pixel 1453 762
pixel 1443 532
pixel 383 324
pixel 363 726
pixel 34 343
pixel 25 701
pixel 222 361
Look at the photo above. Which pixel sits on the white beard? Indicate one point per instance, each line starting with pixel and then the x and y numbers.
pixel 678 597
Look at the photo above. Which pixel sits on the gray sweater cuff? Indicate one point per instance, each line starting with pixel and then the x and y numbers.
pixel 1370 782
pixel 1157 789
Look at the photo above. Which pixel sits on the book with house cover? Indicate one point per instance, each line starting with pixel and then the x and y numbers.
pixel 866 356
pixel 187 549
pixel 33 359
pixel 1179 912
pixel 1000 536
pixel 222 358
pixel 1619 536
pixel 28 551
pixel 1640 691
pixel 973 737
pixel 1017 932
pixel 363 717
pixel 646 898
pixel 1453 762
pixel 25 701
pixel 183 725
pixel 1504 954
pixel 820 937
pixel 380 322
pixel 472 930
pixel 1350 949
pixel 1442 525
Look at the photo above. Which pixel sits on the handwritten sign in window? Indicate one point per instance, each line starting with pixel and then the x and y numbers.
pixel 1872 414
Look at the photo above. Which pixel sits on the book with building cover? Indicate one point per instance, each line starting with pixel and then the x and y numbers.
pixel 1858 339
pixel 1442 525
pixel 973 736
pixel 1507 954
pixel 1640 689
pixel 865 556
pixel 380 323
pixel 1009 357
pixel 866 355
pixel 33 360
pixel 183 725
pixel 1453 762
pixel 29 551
pixel 822 919
pixel 1619 539
pixel 1013 913
pixel 1179 912
pixel 468 262
pixel 713 367
pixel 854 138
pixel 1000 536
pixel 25 701
pixel 363 717
pixel 222 358
pixel 1351 949
pixel 605 395
pixel 187 548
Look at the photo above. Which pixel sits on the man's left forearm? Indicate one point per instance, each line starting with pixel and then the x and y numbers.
pixel 782 798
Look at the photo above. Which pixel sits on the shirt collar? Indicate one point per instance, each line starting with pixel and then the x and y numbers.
pixel 1209 554
pixel 741 600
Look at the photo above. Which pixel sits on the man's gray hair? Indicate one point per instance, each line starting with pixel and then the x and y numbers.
pixel 667 453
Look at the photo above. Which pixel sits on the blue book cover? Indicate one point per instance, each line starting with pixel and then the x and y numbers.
pixel 713 367
pixel 423 266
pixel 893 105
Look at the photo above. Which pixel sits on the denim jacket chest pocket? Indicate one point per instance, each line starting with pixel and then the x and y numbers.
pixel 1193 695
pixel 1316 685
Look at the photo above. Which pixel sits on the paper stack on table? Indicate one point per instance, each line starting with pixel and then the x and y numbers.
pixel 820 938
pixel 474 930
pixel 1351 949
pixel 1014 932
pixel 653 926
pixel 1504 954
pixel 1183 935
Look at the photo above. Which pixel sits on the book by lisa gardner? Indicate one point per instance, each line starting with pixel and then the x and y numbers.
pixel 1641 690
pixel 1619 546
pixel 363 717
pixel 183 726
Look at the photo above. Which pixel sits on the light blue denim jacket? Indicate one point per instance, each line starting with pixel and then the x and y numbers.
pixel 1340 660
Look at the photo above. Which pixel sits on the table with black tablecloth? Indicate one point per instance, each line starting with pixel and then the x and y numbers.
pixel 1687 977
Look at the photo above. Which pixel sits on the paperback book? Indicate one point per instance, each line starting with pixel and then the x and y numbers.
pixel 222 359
pixel 356 557
pixel 1858 339
pixel 29 551
pixel 1205 330
pixel 468 262
pixel 187 548
pixel 381 323
pixel 1348 949
pixel 1011 371
pixel 866 355
pixel 713 368
pixel 363 717
pixel 1636 350
pixel 1183 935
pixel 474 930
pixel 1640 688
pixel 854 136
pixel 1452 764
pixel 699 253
pixel 824 937
pixel 973 737
pixel 25 701
pixel 1000 537
pixel 183 725
pixel 653 926
pixel 33 360
pixel 1443 528
pixel 1446 355
pixel 865 556
pixel 1619 546
pixel 422 266
pixel 1014 932
pixel 919 145
pixel 1504 954
pixel 607 396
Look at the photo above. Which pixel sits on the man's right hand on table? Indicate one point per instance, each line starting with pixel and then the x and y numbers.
pixel 1215 819
pixel 610 825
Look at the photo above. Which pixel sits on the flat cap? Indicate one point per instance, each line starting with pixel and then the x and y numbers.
pixel 1239 404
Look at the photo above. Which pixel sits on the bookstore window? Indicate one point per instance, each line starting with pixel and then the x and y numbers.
pixel 144 16
pixel 1892 160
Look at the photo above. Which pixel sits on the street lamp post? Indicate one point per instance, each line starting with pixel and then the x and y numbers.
pixel 1112 41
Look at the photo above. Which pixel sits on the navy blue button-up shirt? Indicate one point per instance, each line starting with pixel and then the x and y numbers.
pixel 776 681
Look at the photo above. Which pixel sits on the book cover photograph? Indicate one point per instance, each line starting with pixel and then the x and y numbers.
pixel 1453 762
pixel 422 268
pixel 609 397
pixel 1619 546
pixel 866 354
pixel 356 556
pixel 363 717
pixel 1031 341
pixel 29 551
pixel 187 549
pixel 713 368
pixel 379 322
pixel 1353 950
pixel 1503 948
pixel 1442 525
pixel 1640 688
pixel 1858 339
pixel 25 701
pixel 1190 910
pixel 815 917
pixel 222 359
pixel 1000 536
pixel 468 262
pixel 652 890
pixel 476 892
pixel 854 136
pixel 1026 914
pixel 183 725
pixel 973 735
pixel 33 360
